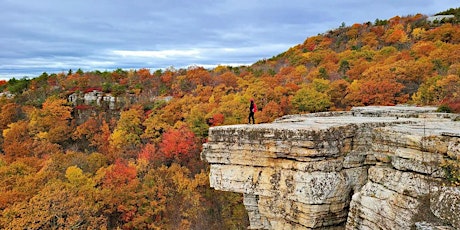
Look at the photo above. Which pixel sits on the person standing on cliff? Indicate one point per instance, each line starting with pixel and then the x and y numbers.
pixel 252 110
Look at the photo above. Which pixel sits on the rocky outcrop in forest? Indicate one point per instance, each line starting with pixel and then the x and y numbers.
pixel 369 168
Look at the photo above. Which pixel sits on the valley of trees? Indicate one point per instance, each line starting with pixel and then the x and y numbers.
pixel 137 165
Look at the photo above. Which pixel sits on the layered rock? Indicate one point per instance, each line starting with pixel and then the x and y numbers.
pixel 370 168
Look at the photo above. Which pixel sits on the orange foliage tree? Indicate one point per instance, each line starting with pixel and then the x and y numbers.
pixel 270 112
pixel 9 113
pixel 376 92
pixel 17 142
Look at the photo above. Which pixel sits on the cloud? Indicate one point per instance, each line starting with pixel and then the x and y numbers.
pixel 162 54
pixel 54 35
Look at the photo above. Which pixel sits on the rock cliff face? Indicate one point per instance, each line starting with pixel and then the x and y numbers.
pixel 370 168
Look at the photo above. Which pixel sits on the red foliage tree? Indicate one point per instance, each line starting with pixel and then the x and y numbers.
pixel 179 144
pixel 217 119
pixel 148 152
pixel 120 174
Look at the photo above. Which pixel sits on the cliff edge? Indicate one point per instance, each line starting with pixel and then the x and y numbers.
pixel 370 168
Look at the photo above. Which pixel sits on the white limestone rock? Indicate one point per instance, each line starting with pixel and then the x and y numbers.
pixel 445 204
pixel 370 168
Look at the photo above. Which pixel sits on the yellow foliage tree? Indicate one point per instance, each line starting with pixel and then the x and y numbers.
pixel 52 121
pixel 127 134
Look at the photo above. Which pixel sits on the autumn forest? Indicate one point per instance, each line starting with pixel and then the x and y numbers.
pixel 121 149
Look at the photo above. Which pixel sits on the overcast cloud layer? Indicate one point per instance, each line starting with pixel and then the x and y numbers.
pixel 57 35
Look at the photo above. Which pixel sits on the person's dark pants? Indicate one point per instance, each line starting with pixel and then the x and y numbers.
pixel 251 115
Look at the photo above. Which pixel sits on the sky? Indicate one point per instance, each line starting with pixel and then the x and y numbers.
pixel 54 36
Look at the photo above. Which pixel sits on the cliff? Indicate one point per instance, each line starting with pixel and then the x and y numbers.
pixel 369 168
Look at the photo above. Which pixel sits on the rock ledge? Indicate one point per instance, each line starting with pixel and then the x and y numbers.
pixel 370 168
